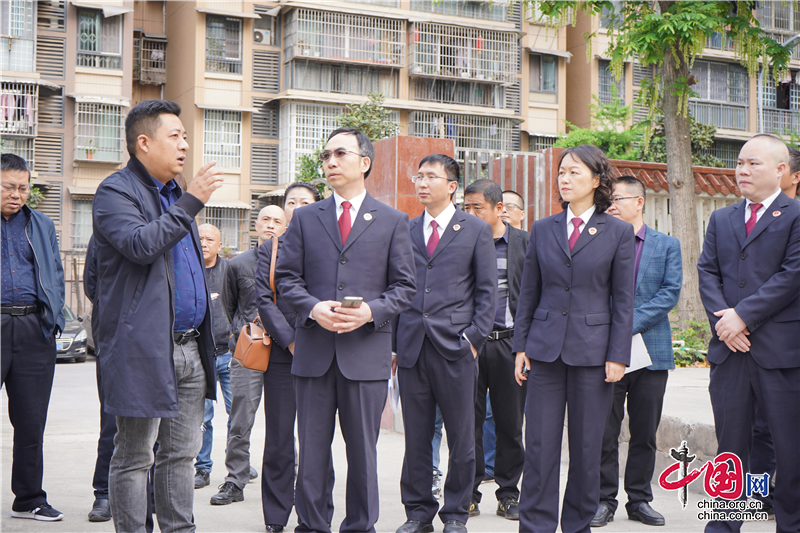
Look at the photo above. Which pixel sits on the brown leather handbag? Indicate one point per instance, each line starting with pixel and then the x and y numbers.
pixel 255 345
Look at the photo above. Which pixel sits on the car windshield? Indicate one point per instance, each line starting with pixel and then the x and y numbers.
pixel 68 314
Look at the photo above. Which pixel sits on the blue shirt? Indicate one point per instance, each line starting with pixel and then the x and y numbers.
pixel 18 270
pixel 190 284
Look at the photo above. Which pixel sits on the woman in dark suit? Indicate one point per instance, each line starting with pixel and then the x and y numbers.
pixel 570 341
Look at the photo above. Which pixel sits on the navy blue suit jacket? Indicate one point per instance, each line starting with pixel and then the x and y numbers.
pixel 457 291
pixel 565 302
pixel 376 263
pixel 278 319
pixel 757 275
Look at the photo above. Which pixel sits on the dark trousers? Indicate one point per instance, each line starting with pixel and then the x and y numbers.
pixel 762 454
pixel 552 389
pixel 360 405
pixel 450 384
pixel 645 392
pixel 105 444
pixel 28 367
pixel 496 373
pixel 735 385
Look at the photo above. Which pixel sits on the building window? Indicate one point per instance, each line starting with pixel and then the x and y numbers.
pixel 345 79
pixel 150 61
pixel 727 151
pixel 223 44
pixel 722 90
pixel 81 222
pixel 99 40
pixel 19 103
pixel 540 142
pixel 543 78
pixel 16 28
pixel 98 132
pixel 457 92
pixel 266 30
pixel 781 104
pixel 497 11
pixel 21 146
pixel 468 131
pixel 222 138
pixel 232 224
pixel 304 128
pixel 610 88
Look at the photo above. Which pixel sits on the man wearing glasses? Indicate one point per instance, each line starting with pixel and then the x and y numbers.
pixel 513 209
pixel 32 300
pixel 348 245
pixel 658 285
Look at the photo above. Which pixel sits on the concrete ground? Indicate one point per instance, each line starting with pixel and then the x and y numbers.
pixel 71 443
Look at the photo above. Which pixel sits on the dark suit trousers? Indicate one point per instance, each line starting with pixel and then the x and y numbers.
pixel 552 389
pixel 645 392
pixel 28 367
pixel 735 385
pixel 105 444
pixel 360 405
pixel 496 373
pixel 450 384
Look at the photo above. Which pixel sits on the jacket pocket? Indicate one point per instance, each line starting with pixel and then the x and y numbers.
pixel 461 318
pixel 137 296
pixel 540 314
pixel 598 319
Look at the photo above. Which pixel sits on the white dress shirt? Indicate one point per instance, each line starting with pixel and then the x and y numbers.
pixel 355 205
pixel 443 220
pixel 585 217
pixel 764 206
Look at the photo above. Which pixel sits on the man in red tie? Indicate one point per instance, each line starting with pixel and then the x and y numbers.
pixel 749 274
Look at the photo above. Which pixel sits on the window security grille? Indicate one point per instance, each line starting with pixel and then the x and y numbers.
pixel 460 52
pixel 81 222
pixel 345 37
pixel 779 15
pixel 264 164
pixel 21 146
pixel 98 132
pixel 16 20
pixel 722 90
pixel 99 40
pixel 458 92
pixel 266 71
pixel 538 142
pixel 222 138
pixel 607 81
pixel 48 149
pixel 345 79
pixel 727 151
pixel 51 204
pixel 51 57
pixel 152 61
pixel 468 131
pixel 715 41
pixel 781 105
pixel 641 73
pixel 264 123
pixel 312 124
pixel 384 3
pixel 223 44
pixel 513 98
pixel 137 58
pixel 232 224
pixel 19 104
pixel 51 15
pixel 497 10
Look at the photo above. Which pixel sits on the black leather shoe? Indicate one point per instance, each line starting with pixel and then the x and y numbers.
pixel 646 515
pixel 101 511
pixel 253 473
pixel 415 526
pixel 603 516
pixel 228 493
pixel 201 479
pixel 454 526
pixel 474 508
pixel 274 528
pixel 508 508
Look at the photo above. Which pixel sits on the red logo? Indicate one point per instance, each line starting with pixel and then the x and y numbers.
pixel 724 477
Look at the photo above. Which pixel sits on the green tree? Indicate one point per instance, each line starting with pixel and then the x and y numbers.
pixel 702 139
pixel 669 34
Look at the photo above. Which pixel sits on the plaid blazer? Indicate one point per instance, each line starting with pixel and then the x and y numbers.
pixel 658 286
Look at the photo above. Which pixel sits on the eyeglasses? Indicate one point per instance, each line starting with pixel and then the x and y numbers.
pixel 338 154
pixel 615 200
pixel 510 207
pixel 427 179
pixel 23 189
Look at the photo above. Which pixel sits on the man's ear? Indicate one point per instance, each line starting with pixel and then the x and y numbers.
pixel 143 143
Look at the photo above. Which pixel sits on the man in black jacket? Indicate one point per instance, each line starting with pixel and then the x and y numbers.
pixel 154 330
pixel 239 303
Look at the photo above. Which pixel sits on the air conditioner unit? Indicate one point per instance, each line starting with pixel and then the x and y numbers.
pixel 261 36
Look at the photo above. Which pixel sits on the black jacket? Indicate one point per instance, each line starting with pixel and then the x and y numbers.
pixel 215 279
pixel 517 248
pixel 239 293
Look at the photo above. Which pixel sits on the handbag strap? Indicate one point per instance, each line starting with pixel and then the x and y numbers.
pixel 272 270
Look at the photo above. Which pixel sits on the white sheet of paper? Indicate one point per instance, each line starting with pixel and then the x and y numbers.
pixel 394 393
pixel 640 358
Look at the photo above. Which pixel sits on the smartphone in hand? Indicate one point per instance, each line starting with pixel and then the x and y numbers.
pixel 352 302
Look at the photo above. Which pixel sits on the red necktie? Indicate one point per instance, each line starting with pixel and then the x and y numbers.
pixel 577 221
pixel 433 240
pixel 344 221
pixel 751 222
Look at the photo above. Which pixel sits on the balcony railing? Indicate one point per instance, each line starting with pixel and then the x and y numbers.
pixel 88 59
pixel 781 121
pixel 464 53
pixel 729 116
pixel 468 131
pixel 19 104
pixel 152 61
pixel 496 10
pixel 342 37
pixel 781 38
pixel 457 92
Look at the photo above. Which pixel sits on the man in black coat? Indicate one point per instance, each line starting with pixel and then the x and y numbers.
pixel 484 199
pixel 154 330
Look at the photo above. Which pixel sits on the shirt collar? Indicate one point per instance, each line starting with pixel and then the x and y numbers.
pixel 585 216
pixel 642 232
pixel 170 185
pixel 354 202
pixel 443 220
pixel 504 236
pixel 766 202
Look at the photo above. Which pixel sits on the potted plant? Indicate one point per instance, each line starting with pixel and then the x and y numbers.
pixel 90 150
pixel 305 49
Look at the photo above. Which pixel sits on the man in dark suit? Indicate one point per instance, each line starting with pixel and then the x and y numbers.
pixel 750 285
pixel 659 277
pixel 484 199
pixel 347 245
pixel 437 341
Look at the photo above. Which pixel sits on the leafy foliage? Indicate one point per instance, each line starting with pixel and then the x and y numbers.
pixel 694 339
pixel 702 140
pixel 309 168
pixel 34 198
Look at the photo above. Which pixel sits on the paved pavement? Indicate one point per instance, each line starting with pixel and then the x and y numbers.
pixel 71 442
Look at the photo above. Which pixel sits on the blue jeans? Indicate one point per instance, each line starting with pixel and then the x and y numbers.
pixel 489 439
pixel 437 439
pixel 204 461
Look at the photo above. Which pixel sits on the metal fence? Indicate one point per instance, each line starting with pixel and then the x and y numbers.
pixel 727 115
pixel 781 121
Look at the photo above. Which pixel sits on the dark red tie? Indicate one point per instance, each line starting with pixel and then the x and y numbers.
pixel 577 221
pixel 344 221
pixel 433 240
pixel 751 222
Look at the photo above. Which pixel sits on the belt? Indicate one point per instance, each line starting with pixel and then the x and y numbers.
pixel 500 334
pixel 19 310
pixel 183 337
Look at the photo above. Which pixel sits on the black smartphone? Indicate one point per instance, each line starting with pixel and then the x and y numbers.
pixel 352 302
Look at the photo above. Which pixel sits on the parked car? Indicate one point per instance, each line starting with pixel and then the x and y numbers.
pixel 87 326
pixel 72 342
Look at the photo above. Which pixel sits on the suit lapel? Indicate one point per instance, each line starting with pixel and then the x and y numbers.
pixel 597 221
pixel 327 217
pixel 361 223
pixel 768 217
pixel 648 249
pixel 449 233
pixel 418 235
pixel 737 221
pixel 559 230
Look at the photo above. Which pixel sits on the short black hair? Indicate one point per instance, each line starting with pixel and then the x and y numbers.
pixel 450 165
pixel 794 159
pixel 491 191
pixel 364 144
pixel 143 118
pixel 15 162
pixel 594 158
pixel 302 185
pixel 633 182
pixel 518 195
